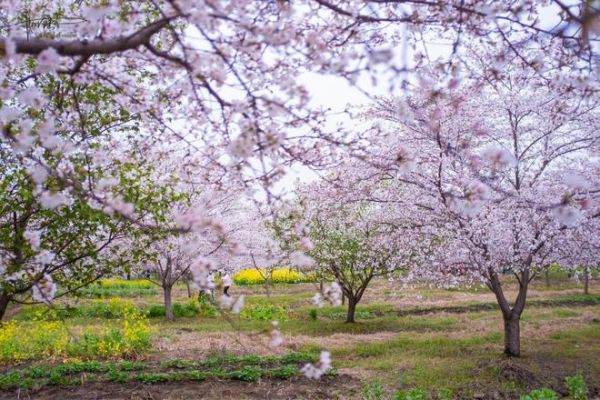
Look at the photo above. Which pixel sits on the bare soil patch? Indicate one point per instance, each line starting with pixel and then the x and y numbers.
pixel 300 388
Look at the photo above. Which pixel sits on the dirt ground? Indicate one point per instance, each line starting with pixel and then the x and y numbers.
pixel 338 387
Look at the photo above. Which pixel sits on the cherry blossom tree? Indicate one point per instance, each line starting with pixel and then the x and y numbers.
pixel 211 242
pixel 583 258
pixel 495 164
pixel 353 241
pixel 220 78
pixel 172 260
pixel 260 251
pixel 49 238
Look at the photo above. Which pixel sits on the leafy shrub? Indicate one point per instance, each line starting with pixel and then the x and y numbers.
pixel 207 309
pixel 154 377
pixel 74 367
pixel 294 358
pixel 130 365
pixel 287 275
pixel 113 308
pixel 42 312
pixel 190 309
pixel 313 314
pixel 10 380
pixel 249 276
pixel 133 338
pixel 98 308
pixel 540 394
pixel 58 374
pixel 252 276
pixel 577 388
pixel 40 339
pixel 284 372
pixel 415 394
pixel 373 391
pixel 197 375
pixel 246 374
pixel 57 379
pixel 265 311
pixel 156 311
pixel 114 375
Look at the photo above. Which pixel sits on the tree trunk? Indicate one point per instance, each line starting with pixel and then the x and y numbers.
pixel 351 309
pixel 511 315
pixel 267 288
pixel 168 303
pixel 189 288
pixel 4 300
pixel 512 338
pixel 586 280
pixel 547 276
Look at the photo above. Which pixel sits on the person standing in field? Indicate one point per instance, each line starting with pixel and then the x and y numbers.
pixel 226 283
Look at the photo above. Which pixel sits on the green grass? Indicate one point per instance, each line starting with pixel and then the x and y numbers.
pixel 436 363
pixel 566 313
pixel 386 323
pixel 427 361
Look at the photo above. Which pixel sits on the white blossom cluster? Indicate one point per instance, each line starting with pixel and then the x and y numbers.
pixel 44 290
pixel 275 336
pixel 321 367
pixel 331 293
pixel 201 274
pixel 231 303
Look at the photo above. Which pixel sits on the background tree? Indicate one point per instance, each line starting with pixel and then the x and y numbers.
pixel 172 260
pixel 351 241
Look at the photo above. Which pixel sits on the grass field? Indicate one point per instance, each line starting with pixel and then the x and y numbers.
pixel 411 343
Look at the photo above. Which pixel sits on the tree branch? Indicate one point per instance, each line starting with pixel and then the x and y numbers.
pixel 85 48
